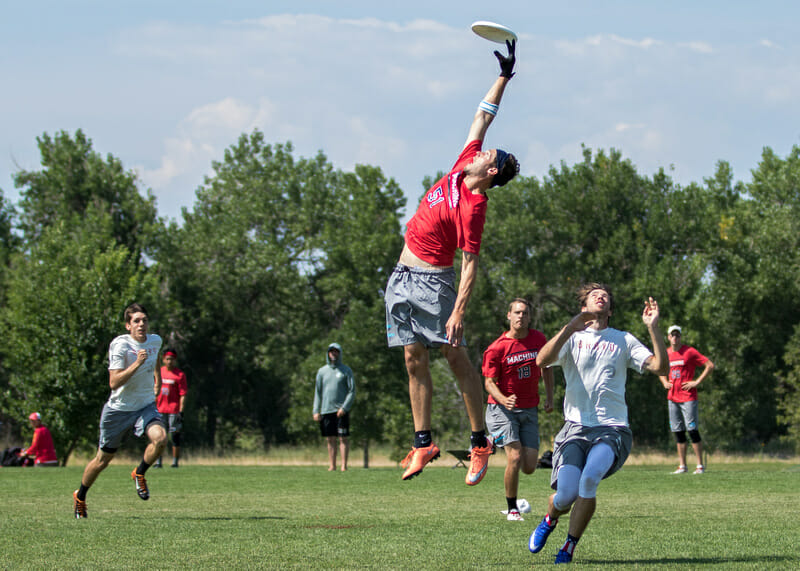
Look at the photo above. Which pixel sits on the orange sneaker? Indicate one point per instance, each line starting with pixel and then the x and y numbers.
pixel 79 506
pixel 419 457
pixel 478 462
pixel 407 459
pixel 141 485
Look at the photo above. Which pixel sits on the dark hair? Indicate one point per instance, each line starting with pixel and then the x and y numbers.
pixel 509 170
pixel 587 288
pixel 131 309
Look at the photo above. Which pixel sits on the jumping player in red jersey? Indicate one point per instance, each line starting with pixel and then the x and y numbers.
pixel 423 309
pixel 512 381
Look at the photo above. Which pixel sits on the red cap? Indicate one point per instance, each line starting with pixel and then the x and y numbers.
pixel 34 416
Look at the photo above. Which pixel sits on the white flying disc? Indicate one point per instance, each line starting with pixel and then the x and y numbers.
pixel 493 32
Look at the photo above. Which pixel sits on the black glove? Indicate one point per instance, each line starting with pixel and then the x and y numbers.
pixel 507 63
pixel 180 417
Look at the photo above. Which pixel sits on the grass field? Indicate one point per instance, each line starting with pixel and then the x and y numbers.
pixel 737 516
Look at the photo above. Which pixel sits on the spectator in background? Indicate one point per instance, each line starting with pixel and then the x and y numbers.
pixel 682 396
pixel 334 394
pixel 41 449
pixel 170 402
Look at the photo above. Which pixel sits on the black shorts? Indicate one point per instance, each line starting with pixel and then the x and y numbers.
pixel 332 425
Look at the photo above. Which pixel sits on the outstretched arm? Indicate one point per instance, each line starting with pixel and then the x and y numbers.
pixel 488 108
pixel 659 362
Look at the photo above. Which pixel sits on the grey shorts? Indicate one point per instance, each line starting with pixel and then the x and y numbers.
pixel 173 422
pixel 683 416
pixel 418 304
pixel 518 425
pixel 573 442
pixel 115 424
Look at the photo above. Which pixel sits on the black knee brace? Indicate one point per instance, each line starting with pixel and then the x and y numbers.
pixel 695 436
pixel 176 438
pixel 680 437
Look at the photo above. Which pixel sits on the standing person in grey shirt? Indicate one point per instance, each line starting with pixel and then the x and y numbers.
pixel 334 394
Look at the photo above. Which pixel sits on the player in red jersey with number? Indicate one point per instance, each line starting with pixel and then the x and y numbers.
pixel 170 401
pixel 423 309
pixel 682 396
pixel 512 381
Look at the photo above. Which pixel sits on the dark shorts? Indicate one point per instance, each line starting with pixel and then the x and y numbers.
pixel 418 304
pixel 573 442
pixel 332 425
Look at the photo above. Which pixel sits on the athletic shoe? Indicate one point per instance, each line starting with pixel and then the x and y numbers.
pixel 174 463
pixel 158 464
pixel 478 462
pixel 563 557
pixel 539 536
pixel 404 462
pixel 681 470
pixel 700 470
pixel 419 458
pixel 141 485
pixel 513 515
pixel 80 506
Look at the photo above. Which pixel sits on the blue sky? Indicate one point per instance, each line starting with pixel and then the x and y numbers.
pixel 167 86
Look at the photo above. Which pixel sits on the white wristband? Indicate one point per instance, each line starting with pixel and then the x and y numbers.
pixel 489 108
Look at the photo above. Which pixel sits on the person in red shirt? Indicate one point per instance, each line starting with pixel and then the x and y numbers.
pixel 170 402
pixel 423 309
pixel 42 448
pixel 512 381
pixel 682 396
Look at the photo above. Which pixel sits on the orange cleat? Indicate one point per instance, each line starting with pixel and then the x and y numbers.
pixel 79 506
pixel 478 462
pixel 416 460
pixel 141 485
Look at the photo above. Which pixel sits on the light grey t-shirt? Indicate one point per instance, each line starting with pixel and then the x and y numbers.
pixel 137 393
pixel 595 367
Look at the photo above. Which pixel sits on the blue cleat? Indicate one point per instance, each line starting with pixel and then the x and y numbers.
pixel 539 536
pixel 563 556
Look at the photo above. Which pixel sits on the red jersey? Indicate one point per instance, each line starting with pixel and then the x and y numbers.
pixel 173 387
pixel 42 447
pixel 450 216
pixel 682 364
pixel 513 363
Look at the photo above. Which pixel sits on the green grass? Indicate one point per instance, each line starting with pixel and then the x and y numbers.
pixel 737 516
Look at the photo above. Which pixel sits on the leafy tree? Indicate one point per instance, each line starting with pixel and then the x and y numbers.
pixel 65 301
pixel 75 179
pixel 276 254
pixel 85 228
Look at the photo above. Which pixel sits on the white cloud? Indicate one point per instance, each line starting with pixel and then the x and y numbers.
pixel 699 47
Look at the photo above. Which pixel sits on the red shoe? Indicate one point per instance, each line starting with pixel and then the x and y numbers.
pixel 419 458
pixel 478 462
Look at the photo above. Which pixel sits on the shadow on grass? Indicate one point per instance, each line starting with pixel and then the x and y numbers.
pixel 690 560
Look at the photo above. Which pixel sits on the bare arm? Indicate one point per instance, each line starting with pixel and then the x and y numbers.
pixel 659 362
pixel 157 377
pixel 482 119
pixel 469 273
pixel 549 353
pixel 509 401
pixel 547 376
pixel 665 381
pixel 707 368
pixel 118 377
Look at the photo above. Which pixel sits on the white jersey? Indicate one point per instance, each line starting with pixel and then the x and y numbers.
pixel 137 393
pixel 595 367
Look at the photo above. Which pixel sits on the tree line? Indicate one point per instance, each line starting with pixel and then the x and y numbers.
pixel 281 255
